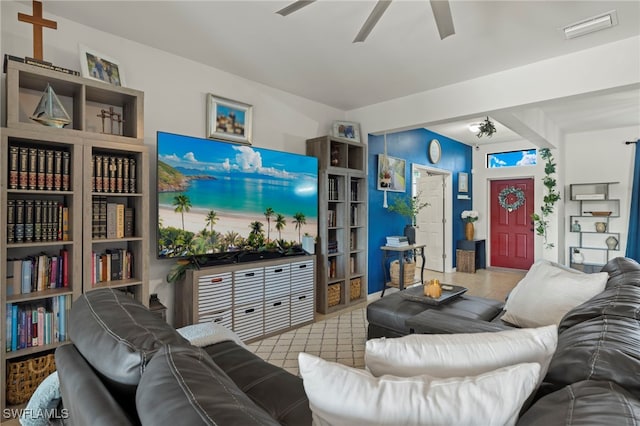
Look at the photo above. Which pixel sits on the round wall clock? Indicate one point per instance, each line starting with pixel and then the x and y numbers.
pixel 434 151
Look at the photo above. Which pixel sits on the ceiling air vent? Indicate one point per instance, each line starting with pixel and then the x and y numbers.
pixel 590 25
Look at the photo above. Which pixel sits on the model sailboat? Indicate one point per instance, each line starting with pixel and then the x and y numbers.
pixel 50 111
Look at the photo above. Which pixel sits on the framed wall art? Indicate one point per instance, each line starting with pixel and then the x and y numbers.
pixel 391 174
pixel 229 120
pixel 347 130
pixel 97 66
pixel 463 182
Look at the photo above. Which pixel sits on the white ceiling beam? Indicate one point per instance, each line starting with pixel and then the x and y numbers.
pixel 533 125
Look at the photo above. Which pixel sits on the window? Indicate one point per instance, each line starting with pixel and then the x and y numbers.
pixel 527 157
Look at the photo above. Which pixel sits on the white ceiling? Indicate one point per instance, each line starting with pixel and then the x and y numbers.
pixel 310 52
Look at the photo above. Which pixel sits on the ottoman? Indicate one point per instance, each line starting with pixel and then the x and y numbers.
pixel 387 315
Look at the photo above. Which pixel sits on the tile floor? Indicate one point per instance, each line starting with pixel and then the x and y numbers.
pixel 341 337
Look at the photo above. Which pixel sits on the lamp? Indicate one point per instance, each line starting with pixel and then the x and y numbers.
pixel 474 127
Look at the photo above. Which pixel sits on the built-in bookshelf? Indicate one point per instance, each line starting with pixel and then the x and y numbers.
pixel 342 216
pixel 49 250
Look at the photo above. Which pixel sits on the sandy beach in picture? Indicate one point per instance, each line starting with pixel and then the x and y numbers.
pixel 195 221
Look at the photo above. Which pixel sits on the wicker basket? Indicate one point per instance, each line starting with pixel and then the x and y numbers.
pixel 409 273
pixel 23 377
pixel 355 287
pixel 333 294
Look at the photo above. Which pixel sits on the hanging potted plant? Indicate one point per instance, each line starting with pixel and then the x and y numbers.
pixel 409 207
pixel 469 216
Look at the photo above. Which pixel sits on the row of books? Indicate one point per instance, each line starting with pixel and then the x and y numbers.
pixel 332 246
pixel 334 194
pixel 111 220
pixel 39 169
pixel 37 273
pixel 37 324
pixel 37 220
pixel 331 218
pixel 397 241
pixel 354 191
pixel 354 216
pixel 332 269
pixel 112 265
pixel 113 174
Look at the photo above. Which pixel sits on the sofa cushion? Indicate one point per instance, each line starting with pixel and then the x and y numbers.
pixel 183 386
pixel 118 335
pixel 548 292
pixel 622 271
pixel 600 340
pixel 456 355
pixel 584 403
pixel 341 395
pixel 259 380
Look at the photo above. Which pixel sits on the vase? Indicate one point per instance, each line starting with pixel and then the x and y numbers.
pixel 577 257
pixel 468 231
pixel 612 243
pixel 410 233
pixel 601 226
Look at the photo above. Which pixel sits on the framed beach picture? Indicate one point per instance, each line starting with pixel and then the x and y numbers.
pixel 100 67
pixel 347 130
pixel 391 174
pixel 229 120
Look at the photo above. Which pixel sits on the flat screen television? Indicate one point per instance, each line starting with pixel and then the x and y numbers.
pixel 216 197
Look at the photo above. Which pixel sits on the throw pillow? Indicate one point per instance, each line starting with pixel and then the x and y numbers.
pixel 455 355
pixel 548 292
pixel 341 395
pixel 38 409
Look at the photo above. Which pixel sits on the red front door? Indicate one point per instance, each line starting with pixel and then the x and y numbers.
pixel 512 233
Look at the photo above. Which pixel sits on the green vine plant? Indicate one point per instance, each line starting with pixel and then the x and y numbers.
pixel 551 197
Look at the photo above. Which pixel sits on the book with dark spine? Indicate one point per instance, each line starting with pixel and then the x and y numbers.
pixel 49 169
pixel 125 175
pixel 128 222
pixel 37 220
pixel 28 221
pixel 103 217
pixel 23 168
pixel 97 173
pixel 119 174
pixel 111 220
pixel 95 217
pixel 113 170
pixel 132 176
pixel 42 167
pixel 66 171
pixel 19 228
pixel 58 225
pixel 105 173
pixel 57 170
pixel 65 224
pixel 11 221
pixel 33 168
pixel 14 166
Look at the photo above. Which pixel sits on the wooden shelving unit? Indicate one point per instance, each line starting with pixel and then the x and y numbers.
pixel 84 100
pixel 342 216
pixel 593 200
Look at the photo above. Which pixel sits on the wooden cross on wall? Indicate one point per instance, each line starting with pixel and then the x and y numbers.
pixel 38 23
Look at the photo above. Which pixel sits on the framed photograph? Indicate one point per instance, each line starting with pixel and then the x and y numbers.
pixel 347 130
pixel 391 174
pixel 97 66
pixel 463 182
pixel 228 120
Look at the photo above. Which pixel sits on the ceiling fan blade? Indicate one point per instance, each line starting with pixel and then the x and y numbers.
pixel 372 20
pixel 296 5
pixel 442 14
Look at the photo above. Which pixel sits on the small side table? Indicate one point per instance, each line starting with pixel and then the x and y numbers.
pixel 470 255
pixel 400 252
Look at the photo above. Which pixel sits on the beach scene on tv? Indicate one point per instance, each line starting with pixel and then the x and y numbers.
pixel 216 197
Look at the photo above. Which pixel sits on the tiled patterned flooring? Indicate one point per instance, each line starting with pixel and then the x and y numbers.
pixel 339 339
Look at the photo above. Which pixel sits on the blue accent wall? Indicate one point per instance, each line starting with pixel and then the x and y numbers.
pixel 412 146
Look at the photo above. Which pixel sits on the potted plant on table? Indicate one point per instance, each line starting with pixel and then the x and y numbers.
pixel 469 216
pixel 409 207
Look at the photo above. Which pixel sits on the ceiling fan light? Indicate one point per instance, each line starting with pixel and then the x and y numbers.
pixel 590 25
pixel 474 127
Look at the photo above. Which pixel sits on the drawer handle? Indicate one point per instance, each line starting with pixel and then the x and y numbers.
pixel 278 270
pixel 303 266
pixel 216 280
pixel 302 297
pixel 248 311
pixel 249 274
pixel 277 304
pixel 217 319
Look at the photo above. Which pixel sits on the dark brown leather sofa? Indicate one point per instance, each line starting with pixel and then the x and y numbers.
pixel 594 375
pixel 126 366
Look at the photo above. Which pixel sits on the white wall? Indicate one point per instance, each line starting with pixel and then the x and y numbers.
pixel 175 91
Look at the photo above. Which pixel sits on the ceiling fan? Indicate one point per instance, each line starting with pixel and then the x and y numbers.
pixel 440 8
